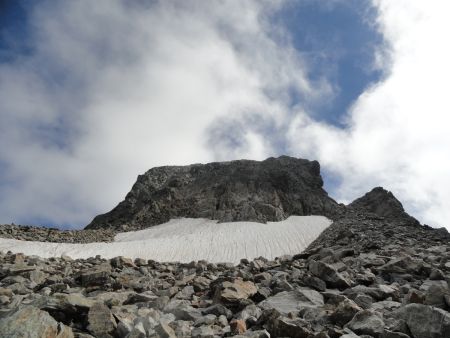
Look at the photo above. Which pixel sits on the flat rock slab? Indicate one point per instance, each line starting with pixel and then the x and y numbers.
pixel 293 301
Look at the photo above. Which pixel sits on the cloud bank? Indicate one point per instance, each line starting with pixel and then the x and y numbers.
pixel 108 90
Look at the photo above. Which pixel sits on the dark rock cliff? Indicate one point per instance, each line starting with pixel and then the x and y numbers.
pixel 243 190
pixel 383 203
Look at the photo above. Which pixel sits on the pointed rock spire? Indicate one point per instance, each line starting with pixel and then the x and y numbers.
pixel 383 203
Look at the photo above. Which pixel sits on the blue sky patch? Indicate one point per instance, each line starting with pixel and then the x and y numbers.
pixel 338 40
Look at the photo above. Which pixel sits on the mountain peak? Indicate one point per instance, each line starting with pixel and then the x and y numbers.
pixel 383 203
pixel 241 190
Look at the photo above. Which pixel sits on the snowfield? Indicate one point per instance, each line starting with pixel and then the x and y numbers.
pixel 192 239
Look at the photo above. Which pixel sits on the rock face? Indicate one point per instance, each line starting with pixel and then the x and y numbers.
pixel 243 190
pixel 383 203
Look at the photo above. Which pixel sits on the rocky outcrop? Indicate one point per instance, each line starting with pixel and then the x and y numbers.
pixel 243 190
pixel 43 234
pixel 383 203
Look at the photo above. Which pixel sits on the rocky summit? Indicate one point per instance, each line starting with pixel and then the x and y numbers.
pixel 259 191
pixel 375 272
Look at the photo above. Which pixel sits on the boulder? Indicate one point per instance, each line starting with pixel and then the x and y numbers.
pixel 218 310
pixel 31 322
pixel 344 312
pixel 426 322
pixel 96 276
pixel 101 321
pixel 120 262
pixel 163 330
pixel 328 274
pixel 289 327
pixel 435 292
pixel 367 322
pixel 234 291
pixel 292 301
pixel 182 310
pixel 238 326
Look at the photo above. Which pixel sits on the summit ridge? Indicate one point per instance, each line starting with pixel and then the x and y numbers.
pixel 242 190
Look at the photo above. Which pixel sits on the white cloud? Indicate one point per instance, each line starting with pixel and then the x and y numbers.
pixel 111 89
pixel 398 132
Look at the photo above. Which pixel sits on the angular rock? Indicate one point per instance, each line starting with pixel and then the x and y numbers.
pixel 31 322
pixel 367 322
pixel 120 262
pixel 238 326
pixel 292 301
pixel 401 265
pixel 232 292
pixel 435 292
pixel 218 310
pixel 328 274
pixel 165 331
pixel 96 276
pixel 426 322
pixel 182 310
pixel 202 332
pixel 288 327
pixel 101 321
pixel 344 312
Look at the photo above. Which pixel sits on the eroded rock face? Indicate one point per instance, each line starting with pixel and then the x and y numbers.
pixel 383 203
pixel 243 190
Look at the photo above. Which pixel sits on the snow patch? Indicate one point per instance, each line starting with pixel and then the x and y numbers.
pixel 192 239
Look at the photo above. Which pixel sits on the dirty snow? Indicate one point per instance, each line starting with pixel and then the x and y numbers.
pixel 191 239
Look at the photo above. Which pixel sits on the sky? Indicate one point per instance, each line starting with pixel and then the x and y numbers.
pixel 93 94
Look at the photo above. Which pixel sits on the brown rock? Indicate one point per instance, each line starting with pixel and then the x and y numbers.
pixel 238 326
pixel 232 292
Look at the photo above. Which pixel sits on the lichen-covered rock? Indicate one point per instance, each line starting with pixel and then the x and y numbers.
pixel 31 322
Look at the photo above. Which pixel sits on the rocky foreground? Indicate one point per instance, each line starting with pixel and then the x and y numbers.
pixel 365 276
